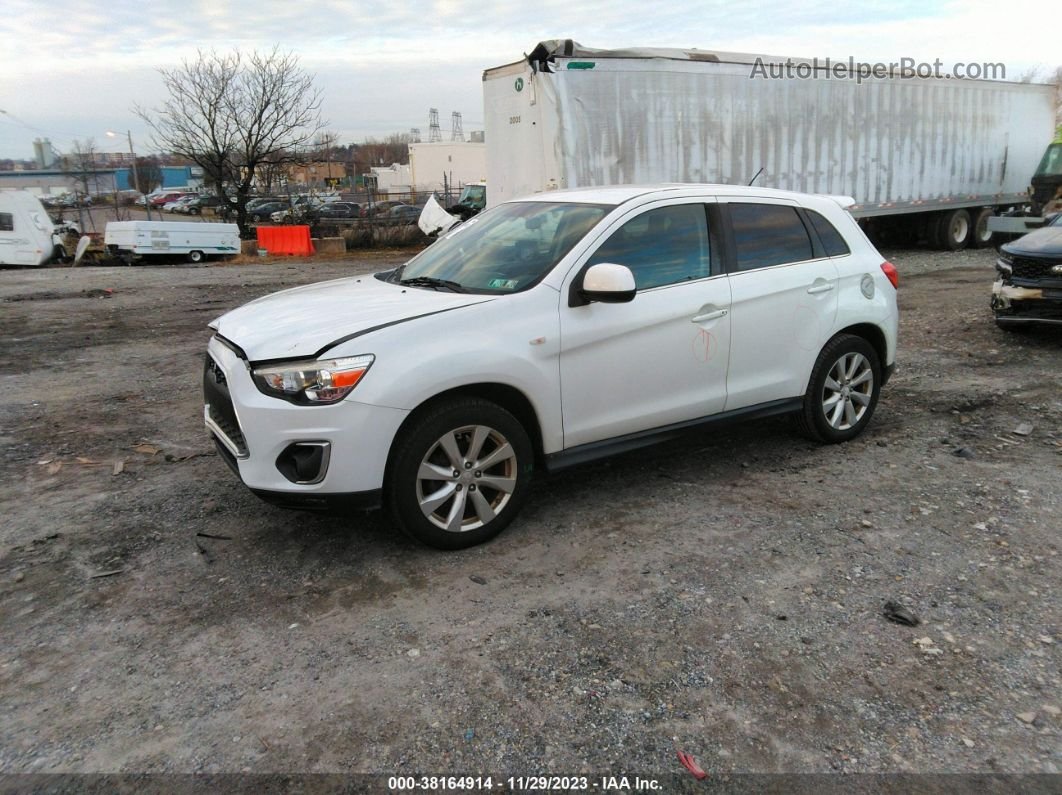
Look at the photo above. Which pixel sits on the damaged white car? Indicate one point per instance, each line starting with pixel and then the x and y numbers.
pixel 548 332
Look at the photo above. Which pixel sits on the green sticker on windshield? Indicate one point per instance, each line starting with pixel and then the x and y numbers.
pixel 502 284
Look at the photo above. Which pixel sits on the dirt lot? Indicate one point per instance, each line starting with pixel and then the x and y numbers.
pixel 723 597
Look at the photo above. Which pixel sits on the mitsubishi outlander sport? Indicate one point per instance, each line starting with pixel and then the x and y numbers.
pixel 546 332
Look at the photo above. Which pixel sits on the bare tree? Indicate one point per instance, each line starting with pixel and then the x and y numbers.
pixel 81 165
pixel 148 174
pixel 393 149
pixel 231 114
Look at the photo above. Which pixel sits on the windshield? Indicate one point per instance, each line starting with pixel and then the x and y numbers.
pixel 474 193
pixel 1051 164
pixel 506 249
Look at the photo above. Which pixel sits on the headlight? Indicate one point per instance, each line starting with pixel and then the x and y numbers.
pixel 312 382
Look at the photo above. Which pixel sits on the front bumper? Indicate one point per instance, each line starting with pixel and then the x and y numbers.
pixel 1018 305
pixel 256 434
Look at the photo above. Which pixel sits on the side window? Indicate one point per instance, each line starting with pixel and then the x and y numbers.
pixel 831 239
pixel 661 246
pixel 7 222
pixel 768 234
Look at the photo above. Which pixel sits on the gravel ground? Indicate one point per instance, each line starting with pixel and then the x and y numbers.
pixel 722 597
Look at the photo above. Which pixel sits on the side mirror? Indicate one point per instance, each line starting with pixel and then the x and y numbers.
pixel 608 283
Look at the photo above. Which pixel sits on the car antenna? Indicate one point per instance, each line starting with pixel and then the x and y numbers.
pixel 756 175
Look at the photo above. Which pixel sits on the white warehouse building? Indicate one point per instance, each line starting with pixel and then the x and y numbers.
pixel 461 163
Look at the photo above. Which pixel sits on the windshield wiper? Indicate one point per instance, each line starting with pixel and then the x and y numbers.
pixel 429 281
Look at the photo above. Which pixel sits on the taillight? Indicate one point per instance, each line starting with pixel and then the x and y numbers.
pixel 891 273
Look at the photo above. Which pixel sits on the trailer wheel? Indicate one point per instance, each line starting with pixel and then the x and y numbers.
pixel 195 256
pixel 955 230
pixel 982 236
pixel 932 229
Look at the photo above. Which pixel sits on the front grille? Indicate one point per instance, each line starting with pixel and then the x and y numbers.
pixel 1028 268
pixel 219 404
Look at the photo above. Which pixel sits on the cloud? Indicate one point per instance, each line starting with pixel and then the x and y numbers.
pixel 72 69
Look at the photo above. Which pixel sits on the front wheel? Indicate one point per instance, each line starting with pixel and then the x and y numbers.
pixel 842 392
pixel 459 473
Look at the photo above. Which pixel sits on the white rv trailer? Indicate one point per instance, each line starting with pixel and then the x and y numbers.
pixel 133 240
pixel 27 234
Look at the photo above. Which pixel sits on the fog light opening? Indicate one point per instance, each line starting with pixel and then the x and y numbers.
pixel 304 463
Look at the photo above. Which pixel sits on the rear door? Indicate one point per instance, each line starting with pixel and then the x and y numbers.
pixel 783 300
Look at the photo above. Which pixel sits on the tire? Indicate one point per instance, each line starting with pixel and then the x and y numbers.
pixel 842 391
pixel 456 512
pixel 956 229
pixel 981 237
pixel 195 256
pixel 933 232
pixel 193 211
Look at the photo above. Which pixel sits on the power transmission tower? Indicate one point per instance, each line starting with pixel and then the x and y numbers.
pixel 414 135
pixel 456 134
pixel 434 132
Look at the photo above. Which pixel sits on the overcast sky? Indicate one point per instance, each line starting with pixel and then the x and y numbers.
pixel 73 70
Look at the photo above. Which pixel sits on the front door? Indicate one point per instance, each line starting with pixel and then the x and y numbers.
pixel 661 358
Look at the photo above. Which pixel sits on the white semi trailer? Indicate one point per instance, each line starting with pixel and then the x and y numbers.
pixel 933 157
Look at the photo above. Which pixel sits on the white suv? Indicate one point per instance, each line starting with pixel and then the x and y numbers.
pixel 547 332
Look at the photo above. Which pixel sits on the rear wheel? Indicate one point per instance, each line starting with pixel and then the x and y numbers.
pixel 842 392
pixel 982 236
pixel 459 473
pixel 955 230
pixel 195 256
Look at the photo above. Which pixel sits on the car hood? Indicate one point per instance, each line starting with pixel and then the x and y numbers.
pixel 1045 242
pixel 305 322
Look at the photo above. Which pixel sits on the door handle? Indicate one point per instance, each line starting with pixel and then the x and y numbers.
pixel 709 316
pixel 820 288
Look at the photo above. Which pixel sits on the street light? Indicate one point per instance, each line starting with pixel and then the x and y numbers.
pixel 136 177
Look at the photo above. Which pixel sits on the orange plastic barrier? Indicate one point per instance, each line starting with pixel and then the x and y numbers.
pixel 293 240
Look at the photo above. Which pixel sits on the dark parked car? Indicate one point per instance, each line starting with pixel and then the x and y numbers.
pixel 198 205
pixel 343 210
pixel 380 208
pixel 403 214
pixel 1029 287
pixel 261 212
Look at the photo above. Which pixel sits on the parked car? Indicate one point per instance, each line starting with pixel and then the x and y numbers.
pixel 403 214
pixel 551 331
pixel 263 211
pixel 161 199
pixel 198 204
pixel 379 208
pixel 179 205
pixel 1028 287
pixel 337 211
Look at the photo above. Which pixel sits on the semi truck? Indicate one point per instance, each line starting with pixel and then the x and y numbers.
pixel 1043 201
pixel 929 157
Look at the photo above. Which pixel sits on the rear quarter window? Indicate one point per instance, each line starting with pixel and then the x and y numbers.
pixel 833 243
